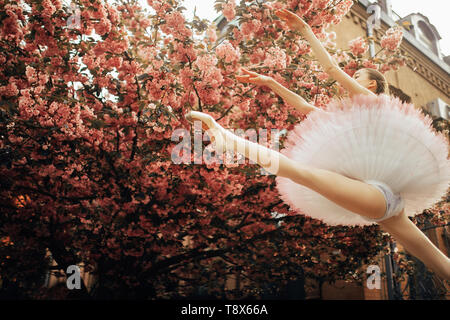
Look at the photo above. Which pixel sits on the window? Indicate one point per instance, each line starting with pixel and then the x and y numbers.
pixel 426 36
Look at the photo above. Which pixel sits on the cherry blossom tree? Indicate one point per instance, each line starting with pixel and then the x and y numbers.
pixel 92 98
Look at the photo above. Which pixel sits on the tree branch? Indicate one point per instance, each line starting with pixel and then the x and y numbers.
pixel 193 85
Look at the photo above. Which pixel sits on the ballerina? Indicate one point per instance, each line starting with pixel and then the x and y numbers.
pixel 366 159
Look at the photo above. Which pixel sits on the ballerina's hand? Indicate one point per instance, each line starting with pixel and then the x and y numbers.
pixel 253 77
pixel 292 20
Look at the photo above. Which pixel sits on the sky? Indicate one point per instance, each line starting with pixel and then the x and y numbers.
pixel 437 12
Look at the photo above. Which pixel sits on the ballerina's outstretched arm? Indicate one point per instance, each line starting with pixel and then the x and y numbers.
pixel 329 65
pixel 290 97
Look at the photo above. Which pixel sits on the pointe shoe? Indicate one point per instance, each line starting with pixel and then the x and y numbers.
pixel 188 117
pixel 209 124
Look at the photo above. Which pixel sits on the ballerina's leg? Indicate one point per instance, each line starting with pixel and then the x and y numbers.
pixel 354 195
pixel 417 243
pixel 351 194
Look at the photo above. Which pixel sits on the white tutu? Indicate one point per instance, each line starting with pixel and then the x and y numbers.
pixel 368 138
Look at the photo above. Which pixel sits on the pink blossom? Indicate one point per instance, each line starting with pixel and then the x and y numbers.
pixel 229 10
pixel 38 89
pixel 31 74
pixel 89 61
pixel 49 9
pixel 186 75
pixel 98 12
pixel 336 20
pixel 249 28
pixel 384 68
pixel 351 68
pixel 183 52
pixel 205 62
pixel 103 27
pixel 213 78
pixel 22 161
pixel 275 58
pixel 358 46
pixel 257 55
pixel 115 62
pixel 175 25
pixel 306 84
pixel 211 34
pixel 317 21
pixel 10 29
pixel 322 76
pixel 320 4
pixel 227 52
pixel 343 8
pixel 237 34
pixel 299 73
pixel 43 78
pixel 369 64
pixel 175 19
pixel 392 39
pixel 113 13
pixel 119 47
pixel 9 90
pixel 174 65
pixel 303 47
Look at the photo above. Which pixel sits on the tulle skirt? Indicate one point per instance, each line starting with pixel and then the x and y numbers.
pixel 368 138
